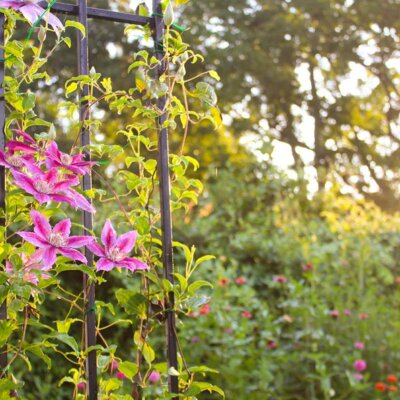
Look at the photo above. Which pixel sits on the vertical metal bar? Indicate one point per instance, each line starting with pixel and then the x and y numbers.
pixel 165 200
pixel 3 307
pixel 89 288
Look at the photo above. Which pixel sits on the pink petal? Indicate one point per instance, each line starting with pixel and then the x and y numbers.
pixel 49 256
pixel 126 241
pixel 42 226
pixel 23 182
pixel 79 201
pixel 79 241
pixel 133 264
pixel 14 145
pixel 96 249
pixel 72 254
pixel 66 184
pixel 52 151
pixel 25 136
pixel 104 264
pixel 63 227
pixel 108 235
pixel 33 167
pixel 33 238
pixel 10 4
pixel 51 176
pixel 55 22
pixel 31 12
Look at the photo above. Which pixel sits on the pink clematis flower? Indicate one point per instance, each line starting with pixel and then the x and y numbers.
pixel 32 11
pixel 47 186
pixel 51 241
pixel 56 158
pixel 116 250
pixel 31 263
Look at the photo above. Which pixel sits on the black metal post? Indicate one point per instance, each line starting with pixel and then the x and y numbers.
pixel 89 288
pixel 3 307
pixel 165 200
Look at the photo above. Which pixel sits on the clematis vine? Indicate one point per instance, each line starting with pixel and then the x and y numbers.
pixel 32 12
pixel 56 158
pixel 116 250
pixel 51 241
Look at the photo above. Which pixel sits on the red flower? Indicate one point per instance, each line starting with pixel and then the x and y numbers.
pixel 205 310
pixel 380 386
pixel 247 314
pixel 392 388
pixel 272 345
pixel 241 280
pixel 391 378
pixel 280 279
pixel 308 267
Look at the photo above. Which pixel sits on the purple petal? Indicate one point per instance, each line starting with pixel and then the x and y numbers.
pixel 108 235
pixel 79 241
pixel 133 264
pixel 42 226
pixel 72 254
pixel 96 249
pixel 55 22
pixel 11 4
pixel 33 238
pixel 49 256
pixel 63 227
pixel 126 241
pixel 104 264
pixel 31 12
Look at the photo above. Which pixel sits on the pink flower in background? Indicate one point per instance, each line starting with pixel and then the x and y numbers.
pixel 360 365
pixel 359 345
pixel 154 376
pixel 280 279
pixel 272 344
pixel 358 377
pixel 116 250
pixel 308 267
pixel 55 158
pixel 347 312
pixel 335 314
pixel 51 241
pixel 240 280
pixel 114 366
pixel 246 314
pixel 223 282
pixel 363 316
pixel 32 11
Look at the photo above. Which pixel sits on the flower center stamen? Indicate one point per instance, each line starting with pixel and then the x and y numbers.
pixel 66 159
pixel 43 187
pixel 57 239
pixel 116 254
pixel 15 161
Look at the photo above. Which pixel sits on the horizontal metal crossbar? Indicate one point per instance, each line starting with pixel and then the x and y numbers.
pixel 99 13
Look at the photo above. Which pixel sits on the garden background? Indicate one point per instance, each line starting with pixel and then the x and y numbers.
pixel 300 201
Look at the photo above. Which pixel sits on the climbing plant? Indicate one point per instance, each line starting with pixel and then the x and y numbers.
pixel 43 240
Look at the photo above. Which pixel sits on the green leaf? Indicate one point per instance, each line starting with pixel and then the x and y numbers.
pixel 71 87
pixel 76 25
pixel 148 353
pixel 198 387
pixel 28 101
pixel 134 303
pixel 129 369
pixel 197 285
pixel 214 75
pixel 66 339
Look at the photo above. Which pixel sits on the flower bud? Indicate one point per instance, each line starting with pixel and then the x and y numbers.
pixel 42 34
pixel 169 14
